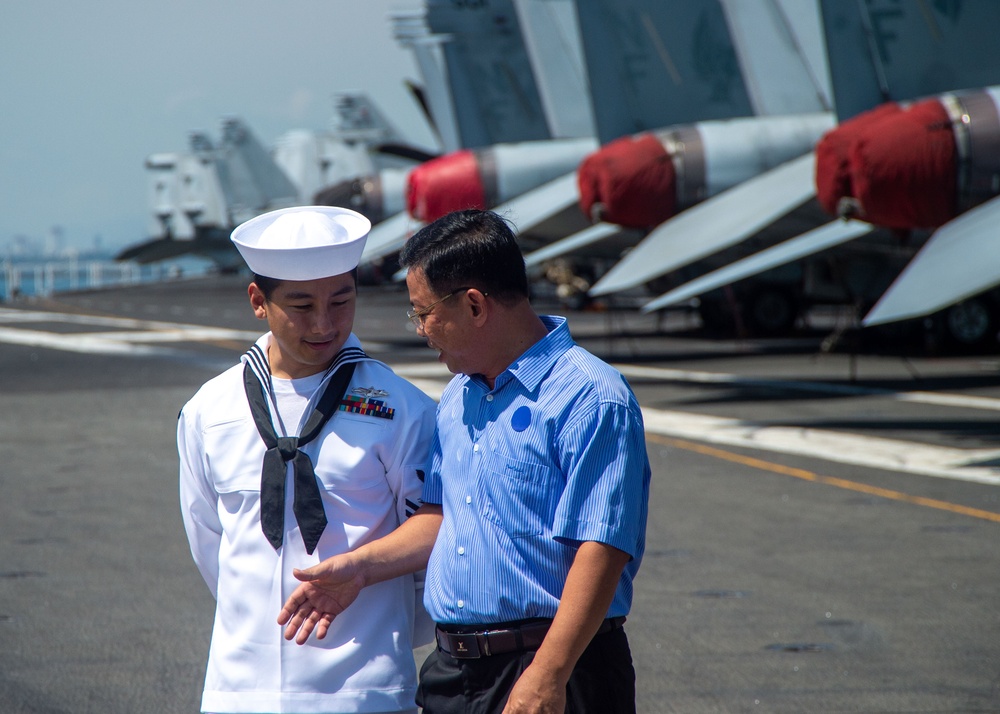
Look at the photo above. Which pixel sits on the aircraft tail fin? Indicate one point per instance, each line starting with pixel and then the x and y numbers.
pixel 883 50
pixel 652 64
pixel 477 73
pixel 781 38
pixel 552 40
pixel 251 180
pixel 357 119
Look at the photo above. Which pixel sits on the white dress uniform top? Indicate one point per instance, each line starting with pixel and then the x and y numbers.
pixel 368 461
pixel 369 467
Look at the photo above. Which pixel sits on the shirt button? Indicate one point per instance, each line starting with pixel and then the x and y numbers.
pixel 461 550
pixel 489 397
pixel 476 447
pixel 461 603
pixel 468 499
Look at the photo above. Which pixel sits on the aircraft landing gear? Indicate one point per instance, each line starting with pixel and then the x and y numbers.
pixel 766 311
pixel 770 311
pixel 968 326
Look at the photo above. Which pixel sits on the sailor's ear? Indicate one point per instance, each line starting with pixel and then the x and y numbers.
pixel 257 301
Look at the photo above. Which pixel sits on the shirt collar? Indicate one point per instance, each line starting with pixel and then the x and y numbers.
pixel 537 361
pixel 256 357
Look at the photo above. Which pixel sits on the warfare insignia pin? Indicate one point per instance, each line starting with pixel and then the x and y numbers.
pixel 369 392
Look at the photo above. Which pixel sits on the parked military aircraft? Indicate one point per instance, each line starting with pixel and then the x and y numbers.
pixel 908 168
pixel 506 89
pixel 361 142
pixel 362 164
pixel 626 44
pixel 629 47
pixel 448 40
pixel 198 197
pixel 953 157
pixel 456 47
pixel 654 65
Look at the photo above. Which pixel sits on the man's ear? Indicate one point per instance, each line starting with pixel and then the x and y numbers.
pixel 478 307
pixel 257 301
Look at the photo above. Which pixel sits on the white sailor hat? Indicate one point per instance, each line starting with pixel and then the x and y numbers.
pixel 303 242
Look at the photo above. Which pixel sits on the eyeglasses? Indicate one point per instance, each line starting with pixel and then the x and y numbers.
pixel 417 316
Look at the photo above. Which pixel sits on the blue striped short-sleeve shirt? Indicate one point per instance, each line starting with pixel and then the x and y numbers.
pixel 553 456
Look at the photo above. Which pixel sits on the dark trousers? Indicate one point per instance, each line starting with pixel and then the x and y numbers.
pixel 603 681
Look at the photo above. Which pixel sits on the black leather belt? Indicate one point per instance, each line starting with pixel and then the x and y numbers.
pixel 487 642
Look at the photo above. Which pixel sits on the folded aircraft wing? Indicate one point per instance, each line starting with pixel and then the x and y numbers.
pixel 580 239
pixel 819 239
pixel 537 205
pixel 388 236
pixel 719 222
pixel 960 260
pixel 156 249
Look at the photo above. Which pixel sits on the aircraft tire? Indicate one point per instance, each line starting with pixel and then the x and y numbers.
pixel 770 311
pixel 970 324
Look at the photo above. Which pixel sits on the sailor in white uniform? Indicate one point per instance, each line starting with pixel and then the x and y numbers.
pixel 305 449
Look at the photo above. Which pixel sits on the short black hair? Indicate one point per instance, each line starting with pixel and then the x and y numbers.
pixel 269 285
pixel 471 248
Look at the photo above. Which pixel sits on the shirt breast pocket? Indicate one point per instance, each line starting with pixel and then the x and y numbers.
pixel 236 455
pixel 517 495
pixel 347 457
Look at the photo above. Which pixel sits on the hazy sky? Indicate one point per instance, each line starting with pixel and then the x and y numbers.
pixel 89 89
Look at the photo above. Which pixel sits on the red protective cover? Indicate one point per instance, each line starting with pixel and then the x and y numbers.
pixel 900 166
pixel 445 184
pixel 633 177
pixel 833 179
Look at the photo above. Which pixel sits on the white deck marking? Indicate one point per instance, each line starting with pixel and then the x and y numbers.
pixel 130 336
pixel 839 447
pixel 138 337
pixel 964 401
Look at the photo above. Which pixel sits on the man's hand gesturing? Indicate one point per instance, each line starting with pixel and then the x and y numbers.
pixel 327 590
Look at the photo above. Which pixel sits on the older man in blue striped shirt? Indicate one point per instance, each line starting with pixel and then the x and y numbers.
pixel 534 510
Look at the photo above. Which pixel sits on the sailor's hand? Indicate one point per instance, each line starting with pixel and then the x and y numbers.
pixel 327 590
